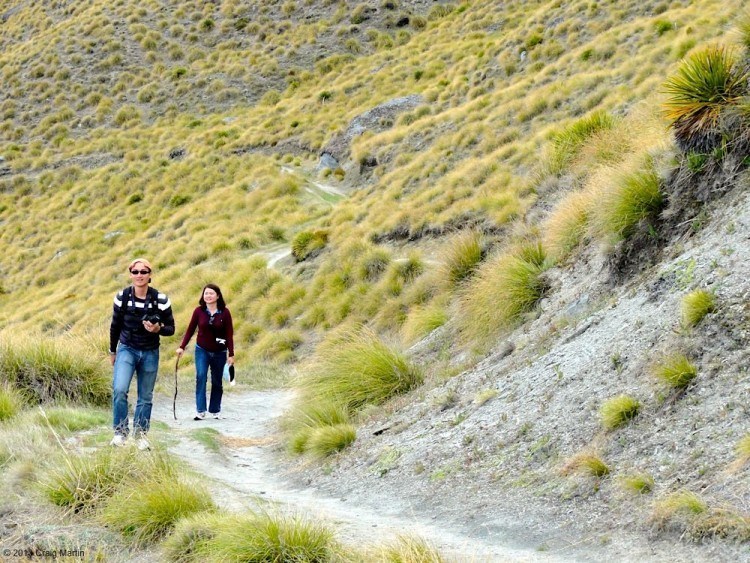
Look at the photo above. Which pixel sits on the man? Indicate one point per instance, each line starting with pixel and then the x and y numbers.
pixel 140 316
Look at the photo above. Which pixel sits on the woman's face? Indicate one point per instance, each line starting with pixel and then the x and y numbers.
pixel 209 295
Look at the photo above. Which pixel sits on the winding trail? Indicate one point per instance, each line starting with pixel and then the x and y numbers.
pixel 248 473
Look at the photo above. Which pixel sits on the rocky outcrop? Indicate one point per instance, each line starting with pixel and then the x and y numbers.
pixel 377 119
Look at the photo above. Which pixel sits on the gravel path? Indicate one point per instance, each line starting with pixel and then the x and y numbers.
pixel 249 472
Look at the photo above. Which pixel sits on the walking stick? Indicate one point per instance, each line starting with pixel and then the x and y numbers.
pixel 174 402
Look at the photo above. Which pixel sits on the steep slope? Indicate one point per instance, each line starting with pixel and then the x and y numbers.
pixel 469 141
pixel 500 448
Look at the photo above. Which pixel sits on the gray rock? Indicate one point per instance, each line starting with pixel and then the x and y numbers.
pixel 327 161
pixel 376 119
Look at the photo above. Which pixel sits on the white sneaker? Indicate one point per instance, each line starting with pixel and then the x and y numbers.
pixel 216 415
pixel 143 444
pixel 118 441
pixel 200 416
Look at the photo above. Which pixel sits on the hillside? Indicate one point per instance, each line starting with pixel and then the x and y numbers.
pixel 520 208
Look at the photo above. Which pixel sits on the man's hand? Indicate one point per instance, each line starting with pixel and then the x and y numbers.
pixel 112 358
pixel 151 327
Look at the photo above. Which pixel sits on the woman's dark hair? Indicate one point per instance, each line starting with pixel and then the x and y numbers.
pixel 219 302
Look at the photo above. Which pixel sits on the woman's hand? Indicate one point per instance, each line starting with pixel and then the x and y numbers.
pixel 179 352
pixel 230 360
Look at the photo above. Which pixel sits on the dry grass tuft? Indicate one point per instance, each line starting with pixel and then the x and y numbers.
pixel 675 370
pixel 618 410
pixel 696 305
pixel 586 463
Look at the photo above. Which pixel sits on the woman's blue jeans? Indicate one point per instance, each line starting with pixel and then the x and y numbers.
pixel 204 360
pixel 145 364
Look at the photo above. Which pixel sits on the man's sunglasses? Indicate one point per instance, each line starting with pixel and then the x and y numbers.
pixel 142 272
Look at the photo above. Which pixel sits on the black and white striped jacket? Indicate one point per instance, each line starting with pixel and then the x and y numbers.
pixel 127 319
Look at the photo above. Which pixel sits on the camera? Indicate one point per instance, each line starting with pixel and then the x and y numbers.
pixel 152 318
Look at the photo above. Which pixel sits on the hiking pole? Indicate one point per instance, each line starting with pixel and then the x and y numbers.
pixel 174 401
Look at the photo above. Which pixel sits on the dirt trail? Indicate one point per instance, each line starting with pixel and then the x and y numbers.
pixel 249 472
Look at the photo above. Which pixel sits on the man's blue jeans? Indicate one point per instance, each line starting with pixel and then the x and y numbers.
pixel 203 360
pixel 145 364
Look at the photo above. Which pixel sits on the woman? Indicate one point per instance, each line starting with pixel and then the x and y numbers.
pixel 214 341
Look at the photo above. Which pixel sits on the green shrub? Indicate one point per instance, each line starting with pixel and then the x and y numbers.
pixel 681 502
pixel 696 305
pixel 306 244
pixel 408 269
pixel 706 83
pixel 567 143
pixel 359 369
pixel 634 197
pixel 126 114
pixel 460 256
pixel 663 26
pixel 373 263
pixel 326 440
pixel 254 538
pixel 148 509
pixel 84 483
pixel 409 549
pixel 309 415
pixel 504 289
pixel 675 370
pixel 46 370
pixel 587 463
pixel 639 483
pixel 618 410
pixel 11 402
pixel 421 321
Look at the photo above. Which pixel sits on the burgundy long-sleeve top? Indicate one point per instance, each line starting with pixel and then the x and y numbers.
pixel 208 332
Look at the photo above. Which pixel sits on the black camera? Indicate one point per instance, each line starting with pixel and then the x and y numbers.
pixel 153 318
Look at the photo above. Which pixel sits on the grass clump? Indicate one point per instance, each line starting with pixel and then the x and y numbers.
pixel 249 537
pixel 422 320
pixel 84 483
pixel 696 305
pixel 638 483
pixel 633 197
pixel 72 419
pixel 308 244
pixel 567 143
pixel 11 402
pixel 689 512
pixel 461 256
pixel 208 437
pixel 567 225
pixel 358 370
pixel 409 549
pixel 618 410
pixel 503 290
pixel 326 440
pixel 148 510
pixel 743 450
pixel 681 502
pixel 588 464
pixel 45 370
pixel 675 370
pixel 308 417
pixel 707 83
